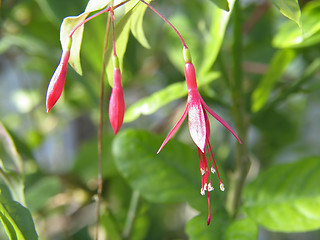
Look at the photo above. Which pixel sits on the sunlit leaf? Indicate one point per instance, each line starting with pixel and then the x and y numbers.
pixel 286 197
pixel 242 229
pixel 16 220
pixel 277 66
pixel 137 25
pixel 69 23
pixel 289 36
pixel 151 104
pixel 290 9
pixel 223 4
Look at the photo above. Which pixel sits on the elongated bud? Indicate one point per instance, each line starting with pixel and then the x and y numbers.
pixel 57 81
pixel 116 104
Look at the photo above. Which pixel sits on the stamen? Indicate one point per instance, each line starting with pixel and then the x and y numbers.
pixel 202 171
pixel 210 188
pixel 203 191
pixel 222 187
pixel 208 144
pixel 213 170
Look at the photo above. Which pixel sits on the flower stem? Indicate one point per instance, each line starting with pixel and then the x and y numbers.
pixel 100 128
pixel 167 21
pixel 242 163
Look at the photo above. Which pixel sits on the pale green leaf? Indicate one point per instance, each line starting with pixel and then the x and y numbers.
pixel 242 229
pixel 286 197
pixel 276 69
pixel 290 9
pixel 289 36
pixel 220 20
pixel 69 23
pixel 151 104
pixel 137 24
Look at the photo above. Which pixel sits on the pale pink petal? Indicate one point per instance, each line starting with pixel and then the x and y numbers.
pixel 197 123
pixel 175 128
pixel 223 122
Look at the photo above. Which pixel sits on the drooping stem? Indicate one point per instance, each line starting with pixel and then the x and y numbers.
pixel 167 21
pixel 95 15
pixel 242 163
pixel 100 129
pixel 113 34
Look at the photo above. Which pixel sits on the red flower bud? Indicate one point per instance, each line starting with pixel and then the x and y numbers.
pixel 116 104
pixel 57 81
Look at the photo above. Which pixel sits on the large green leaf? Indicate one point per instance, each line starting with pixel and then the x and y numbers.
pixel 16 220
pixel 220 20
pixel 69 23
pixel 290 9
pixel 242 229
pixel 197 228
pixel 277 66
pixel 151 104
pixel 290 36
pixel 286 197
pixel 171 176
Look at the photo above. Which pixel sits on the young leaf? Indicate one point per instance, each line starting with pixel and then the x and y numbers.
pixel 286 197
pixel 277 66
pixel 69 23
pixel 223 4
pixel 137 24
pixel 242 229
pixel 16 220
pixel 151 104
pixel 290 9
pixel 289 36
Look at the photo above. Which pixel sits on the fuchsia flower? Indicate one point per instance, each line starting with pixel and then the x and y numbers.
pixel 116 104
pixel 199 128
pixel 57 81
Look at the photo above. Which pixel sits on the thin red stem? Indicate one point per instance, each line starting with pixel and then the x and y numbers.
pixel 167 21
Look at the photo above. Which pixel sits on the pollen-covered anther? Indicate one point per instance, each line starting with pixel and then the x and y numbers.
pixel 202 171
pixel 210 188
pixel 213 170
pixel 203 191
pixel 222 187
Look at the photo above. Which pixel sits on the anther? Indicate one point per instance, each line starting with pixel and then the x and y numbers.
pixel 202 171
pixel 210 188
pixel 203 192
pixel 213 170
pixel 221 187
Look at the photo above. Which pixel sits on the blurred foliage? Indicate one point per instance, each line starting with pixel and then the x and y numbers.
pixel 49 161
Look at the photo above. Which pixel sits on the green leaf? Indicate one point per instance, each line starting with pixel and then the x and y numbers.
pixel 220 20
pixel 286 197
pixel 69 23
pixel 137 24
pixel 16 220
pixel 170 176
pixel 223 4
pixel 151 104
pixel 197 228
pixel 242 229
pixel 289 36
pixel 290 9
pixel 276 69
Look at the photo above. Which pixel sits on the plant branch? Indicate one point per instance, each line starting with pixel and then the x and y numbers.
pixel 131 214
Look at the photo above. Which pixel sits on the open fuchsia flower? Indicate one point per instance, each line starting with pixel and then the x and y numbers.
pixel 58 79
pixel 199 128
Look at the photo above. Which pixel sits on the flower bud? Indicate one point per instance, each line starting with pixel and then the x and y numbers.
pixel 116 104
pixel 57 81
